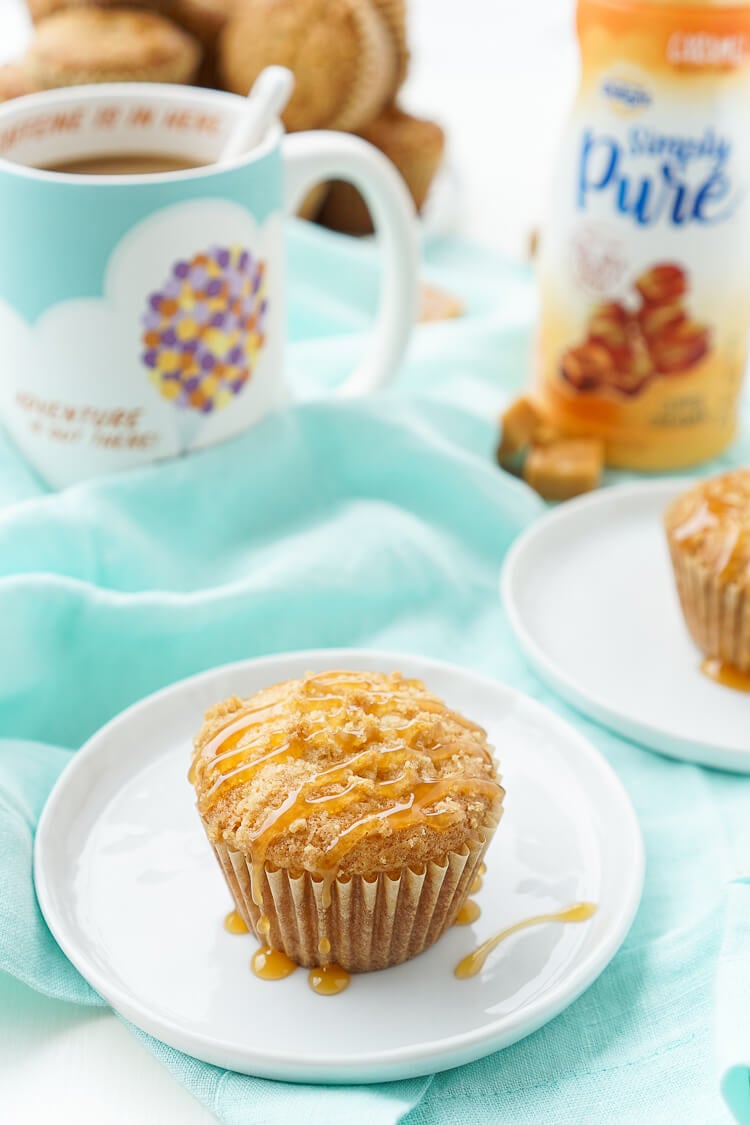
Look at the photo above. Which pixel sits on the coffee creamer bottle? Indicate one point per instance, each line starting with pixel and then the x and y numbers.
pixel 645 258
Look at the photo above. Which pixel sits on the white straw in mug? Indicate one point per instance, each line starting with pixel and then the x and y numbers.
pixel 267 98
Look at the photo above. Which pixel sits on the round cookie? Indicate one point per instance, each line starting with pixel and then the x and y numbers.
pixel 394 14
pixel 87 45
pixel 340 52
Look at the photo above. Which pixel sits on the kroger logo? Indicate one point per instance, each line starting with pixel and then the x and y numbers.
pixel 626 94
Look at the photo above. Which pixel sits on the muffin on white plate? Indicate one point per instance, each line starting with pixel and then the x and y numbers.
pixel 350 813
pixel 708 530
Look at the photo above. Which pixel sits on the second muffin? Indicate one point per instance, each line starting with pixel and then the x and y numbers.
pixel 414 144
pixel 88 45
pixel 349 812
pixel 708 530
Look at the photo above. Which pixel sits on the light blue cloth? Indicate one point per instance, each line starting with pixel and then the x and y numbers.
pixel 380 523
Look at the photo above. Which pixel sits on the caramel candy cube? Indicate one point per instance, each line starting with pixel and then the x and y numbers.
pixel 546 434
pixel 519 425
pixel 565 468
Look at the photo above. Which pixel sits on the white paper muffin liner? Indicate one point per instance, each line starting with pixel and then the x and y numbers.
pixel 357 922
pixel 716 613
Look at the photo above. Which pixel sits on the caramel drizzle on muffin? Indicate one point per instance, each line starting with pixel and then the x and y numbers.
pixel 712 521
pixel 375 764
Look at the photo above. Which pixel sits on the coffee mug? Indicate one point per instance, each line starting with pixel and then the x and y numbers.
pixel 142 316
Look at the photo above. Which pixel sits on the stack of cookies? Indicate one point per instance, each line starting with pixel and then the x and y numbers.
pixel 349 59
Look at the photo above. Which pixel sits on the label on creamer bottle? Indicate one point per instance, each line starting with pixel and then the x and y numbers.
pixel 645 261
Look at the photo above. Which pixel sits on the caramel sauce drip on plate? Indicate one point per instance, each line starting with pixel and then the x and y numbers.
pixel 726 674
pixel 328 980
pixel 249 741
pixel 468 913
pixel 271 964
pixel 470 965
pixel 234 923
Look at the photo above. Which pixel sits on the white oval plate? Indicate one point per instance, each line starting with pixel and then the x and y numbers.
pixel 132 893
pixel 591 598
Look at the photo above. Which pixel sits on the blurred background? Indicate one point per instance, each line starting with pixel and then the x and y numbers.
pixel 498 75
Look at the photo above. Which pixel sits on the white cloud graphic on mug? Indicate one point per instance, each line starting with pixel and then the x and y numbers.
pixel 180 351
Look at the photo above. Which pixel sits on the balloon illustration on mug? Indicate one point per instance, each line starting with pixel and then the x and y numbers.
pixel 203 332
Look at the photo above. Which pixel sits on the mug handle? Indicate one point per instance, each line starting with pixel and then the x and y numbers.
pixel 312 157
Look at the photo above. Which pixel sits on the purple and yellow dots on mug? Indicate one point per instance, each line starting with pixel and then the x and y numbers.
pixel 203 331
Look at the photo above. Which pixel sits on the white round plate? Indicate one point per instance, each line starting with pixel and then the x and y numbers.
pixel 132 893
pixel 590 595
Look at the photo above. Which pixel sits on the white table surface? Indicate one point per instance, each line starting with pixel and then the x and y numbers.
pixel 499 75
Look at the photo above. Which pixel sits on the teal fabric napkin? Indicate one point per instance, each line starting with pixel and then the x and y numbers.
pixel 381 523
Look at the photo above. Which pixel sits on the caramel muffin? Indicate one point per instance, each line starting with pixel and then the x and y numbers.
pixel 349 812
pixel 413 144
pixel 87 45
pixel 708 529
pixel 340 52
pixel 204 19
pixel 14 82
pixel 41 9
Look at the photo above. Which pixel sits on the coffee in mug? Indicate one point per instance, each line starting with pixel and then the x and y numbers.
pixel 125 164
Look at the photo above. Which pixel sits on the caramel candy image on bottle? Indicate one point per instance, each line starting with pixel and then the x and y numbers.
pixel 609 325
pixel 625 350
pixel 635 373
pixel 662 283
pixel 655 319
pixel 588 366
pixel 619 331
pixel 680 347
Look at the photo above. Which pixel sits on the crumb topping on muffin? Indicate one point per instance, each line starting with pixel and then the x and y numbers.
pixel 344 771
